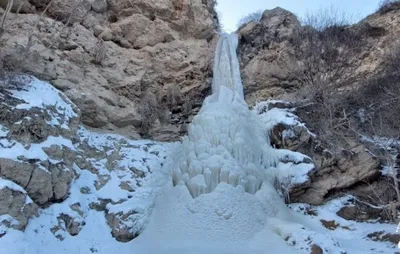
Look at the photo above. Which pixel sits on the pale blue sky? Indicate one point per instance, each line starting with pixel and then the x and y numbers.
pixel 232 10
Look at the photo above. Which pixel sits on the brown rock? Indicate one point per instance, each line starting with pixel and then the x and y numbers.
pixel 14 203
pixel 43 184
pixel 382 236
pixel 315 249
pixel 333 171
pixel 346 172
pixel 69 11
pixel 119 230
pixel 72 226
pixel 262 49
pixel 268 60
pixel 148 46
pixel 362 212
pixel 331 225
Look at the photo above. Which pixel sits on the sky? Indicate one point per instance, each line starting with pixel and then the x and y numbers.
pixel 232 10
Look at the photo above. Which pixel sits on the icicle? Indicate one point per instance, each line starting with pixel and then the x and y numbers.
pixel 207 178
pixel 177 176
pixel 197 186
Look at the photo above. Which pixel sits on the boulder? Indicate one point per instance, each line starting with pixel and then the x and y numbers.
pixel 334 170
pixel 16 208
pixel 264 49
pixel 120 228
pixel 44 182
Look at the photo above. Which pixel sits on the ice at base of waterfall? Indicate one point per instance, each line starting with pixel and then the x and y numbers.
pixel 225 144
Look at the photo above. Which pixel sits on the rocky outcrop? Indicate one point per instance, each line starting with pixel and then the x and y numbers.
pixel 334 170
pixel 16 208
pixel 44 183
pixel 269 63
pixel 272 68
pixel 263 47
pixel 120 229
pixel 106 55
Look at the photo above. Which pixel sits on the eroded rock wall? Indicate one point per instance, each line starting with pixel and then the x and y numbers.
pixel 270 65
pixel 105 55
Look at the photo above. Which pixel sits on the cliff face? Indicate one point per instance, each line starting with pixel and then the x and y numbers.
pixel 269 60
pixel 106 55
pixel 336 79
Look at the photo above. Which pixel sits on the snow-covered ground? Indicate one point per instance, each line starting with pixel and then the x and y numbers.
pixel 95 235
pixel 352 236
pixel 117 171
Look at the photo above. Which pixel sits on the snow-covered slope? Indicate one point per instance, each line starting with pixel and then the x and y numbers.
pixel 105 173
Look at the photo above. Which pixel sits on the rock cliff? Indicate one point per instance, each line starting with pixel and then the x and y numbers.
pixel 272 68
pixel 106 55
pixel 269 62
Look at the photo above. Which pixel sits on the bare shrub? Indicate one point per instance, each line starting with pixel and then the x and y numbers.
pixel 380 99
pixel 377 104
pixel 187 107
pixel 151 111
pixel 173 96
pixel 386 6
pixel 254 16
pixel 323 45
pixel 148 110
pixel 99 52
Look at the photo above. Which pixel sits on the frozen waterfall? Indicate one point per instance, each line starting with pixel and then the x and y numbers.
pixel 215 193
pixel 226 142
pixel 226 65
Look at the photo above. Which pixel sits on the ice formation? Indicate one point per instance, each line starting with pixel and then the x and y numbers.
pixel 222 197
pixel 226 142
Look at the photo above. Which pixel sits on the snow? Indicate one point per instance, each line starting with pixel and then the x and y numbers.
pixel 39 94
pixel 293 174
pixel 95 232
pixel 4 183
pixel 3 131
pixel 13 150
pixel 226 67
pixel 226 142
pixel 351 235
